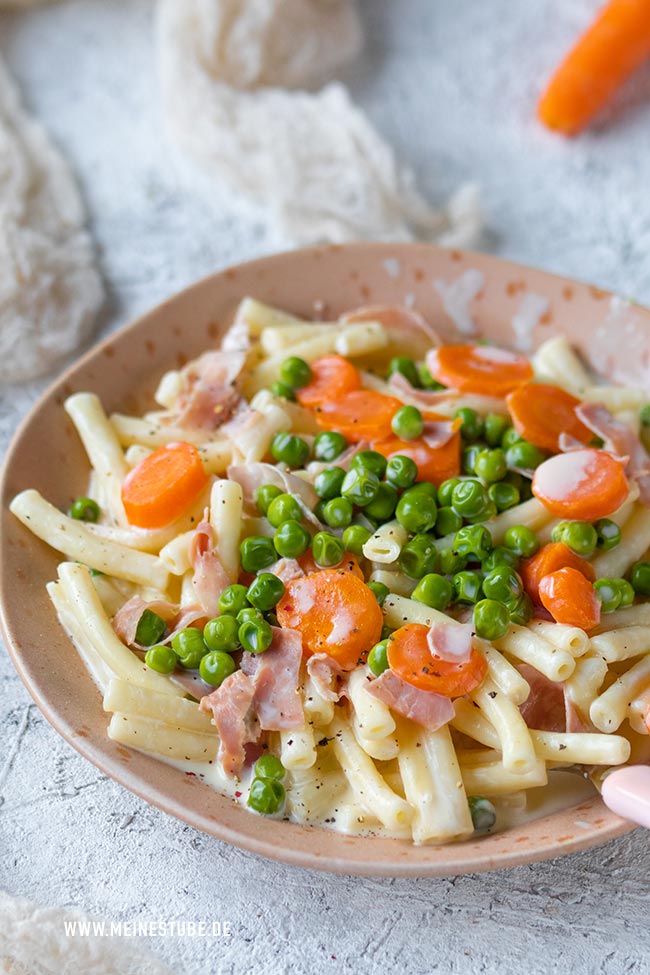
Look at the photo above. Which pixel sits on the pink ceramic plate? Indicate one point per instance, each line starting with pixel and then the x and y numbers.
pixel 456 291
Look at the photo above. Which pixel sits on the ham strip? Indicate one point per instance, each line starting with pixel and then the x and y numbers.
pixel 254 475
pixel 437 433
pixel 424 397
pixel 451 641
pixel 212 391
pixel 210 578
pixel 403 323
pixel 430 710
pixel 286 570
pixel 275 676
pixel 548 707
pixel 620 440
pixel 325 673
pixel 125 621
pixel 230 705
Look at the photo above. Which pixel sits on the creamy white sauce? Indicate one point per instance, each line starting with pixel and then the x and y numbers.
pixel 563 474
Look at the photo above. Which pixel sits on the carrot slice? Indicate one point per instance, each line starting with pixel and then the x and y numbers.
pixel 479 369
pixel 163 485
pixel 349 563
pixel 570 598
pixel 411 659
pixel 540 413
pixel 435 464
pixel 362 414
pixel 549 559
pixel 335 612
pixel 609 51
pixel 587 484
pixel 333 376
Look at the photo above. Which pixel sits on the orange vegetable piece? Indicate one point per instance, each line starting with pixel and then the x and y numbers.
pixel 349 563
pixel 570 598
pixel 362 414
pixel 609 51
pixel 163 485
pixel 411 659
pixel 540 413
pixel 479 369
pixel 333 377
pixel 586 484
pixel 335 612
pixel 549 559
pixel 435 464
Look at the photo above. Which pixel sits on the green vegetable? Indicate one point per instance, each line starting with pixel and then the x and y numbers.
pixel 249 613
pixel 490 465
pixel 580 536
pixel 283 508
pixel 222 633
pixel 446 490
pixel 291 540
pixel 370 460
pixel 328 549
pixel 503 495
pixel 482 812
pixel 407 368
pixel 418 557
pixel 608 593
pixel 425 488
pixel 379 590
pixel 386 631
pixel 338 512
pixel 426 379
pixel 295 372
pixel 264 495
pixel 161 659
pixel 467 586
pixel 328 483
pixel 265 592
pixel 644 415
pixel 401 471
pixel 383 506
pixel 640 578
pixel 473 540
pixel 354 538
pixel 266 796
pixel 269 767
pixel 85 509
pixel 290 449
pixel 447 522
pixel 256 553
pixel 510 437
pixel 329 445
pixel 282 390
pixel 503 584
pixel 525 456
pixel 255 635
pixel 521 540
pixel 216 666
pixel 377 658
pixel 233 599
pixel 471 423
pixel 494 427
pixel 469 457
pixel 520 609
pixel 190 647
pixel 408 423
pixel 150 628
pixel 360 487
pixel 609 534
pixel 491 619
pixel 468 498
pixel 435 591
pixel 416 511
pixel 626 592
pixel 500 556
pixel 450 562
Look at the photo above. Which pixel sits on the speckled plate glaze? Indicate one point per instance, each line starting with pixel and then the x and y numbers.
pixel 461 293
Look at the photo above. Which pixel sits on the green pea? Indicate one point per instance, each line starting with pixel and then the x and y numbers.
pixel 488 512
pixel 282 391
pixel 418 557
pixel 265 592
pixel 406 367
pixel 491 619
pixel 494 427
pixel 283 508
pixel 401 471
pixel 337 513
pixel 468 498
pixel 609 534
pixel 626 591
pixel 295 372
pixel 370 460
pixel 500 556
pixel 289 449
pixel 232 599
pixel 328 482
pixel 272 619
pixel 524 456
pixel 408 423
pixel 522 540
pixel 328 549
pixel 482 812
pixel 510 437
pixel 451 562
pixel 291 540
pixel 150 628
pixel 502 583
pixel 426 379
pixel 95 572
pixel 471 423
pixel 435 591
pixel 161 659
pixel 216 666
pixel 448 522
pixel 469 457
pixel 329 445
pixel 221 634
pixel 318 510
pixel 246 614
pixel 416 511
pixel 382 508
pixel 269 767
pixel 520 609
pixel 378 659
pixel 425 488
pixel 360 487
pixel 490 465
pixel 379 590
pixel 467 586
pixel 644 415
pixel 517 480
pixel 640 578
pixel 446 490
pixel 608 593
pixel 265 495
pixel 503 495
pixel 256 553
pixel 580 536
pixel 190 647
pixel 266 796
pixel 473 541
pixel 386 631
pixel 85 509
pixel 354 538
pixel 255 636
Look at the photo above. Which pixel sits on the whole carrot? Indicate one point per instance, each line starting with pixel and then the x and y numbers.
pixel 611 49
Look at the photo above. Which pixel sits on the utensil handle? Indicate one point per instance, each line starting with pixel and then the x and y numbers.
pixel 627 793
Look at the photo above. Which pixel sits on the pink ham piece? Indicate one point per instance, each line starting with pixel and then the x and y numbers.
pixel 230 705
pixel 425 398
pixel 343 460
pixel 451 641
pixel 437 433
pixel 212 390
pixel 548 707
pixel 286 570
pixel 210 578
pixel 325 673
pixel 405 324
pixel 125 621
pixel 257 474
pixel 430 710
pixel 567 442
pixel 620 440
pixel 275 675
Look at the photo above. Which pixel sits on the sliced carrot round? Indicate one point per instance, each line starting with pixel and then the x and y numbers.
pixel 479 369
pixel 586 484
pixel 163 485
pixel 335 612
pixel 411 659
pixel 570 598
pixel 540 413
pixel 363 414
pixel 332 377
pixel 435 464
pixel 550 558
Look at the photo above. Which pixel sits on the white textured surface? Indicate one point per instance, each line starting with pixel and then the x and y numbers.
pixel 452 85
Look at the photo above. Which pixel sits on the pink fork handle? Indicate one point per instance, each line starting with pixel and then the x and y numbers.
pixel 627 793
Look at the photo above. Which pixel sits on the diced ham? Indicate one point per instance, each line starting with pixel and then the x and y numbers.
pixel 230 705
pixel 125 621
pixel 620 440
pixel 191 681
pixel 286 570
pixel 275 676
pixel 254 475
pixel 325 673
pixel 343 460
pixel 424 707
pixel 548 707
pixel 451 642
pixel 567 442
pixel 211 392
pixel 427 399
pixel 437 433
pixel 210 578
pixel 188 616
pixel 405 324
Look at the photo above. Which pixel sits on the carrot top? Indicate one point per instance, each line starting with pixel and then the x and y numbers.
pixel 540 413
pixel 332 377
pixel 550 558
pixel 570 598
pixel 163 485
pixel 479 369
pixel 585 484
pixel 361 414
pixel 411 659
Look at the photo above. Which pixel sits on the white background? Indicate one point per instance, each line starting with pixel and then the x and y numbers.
pixel 453 86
